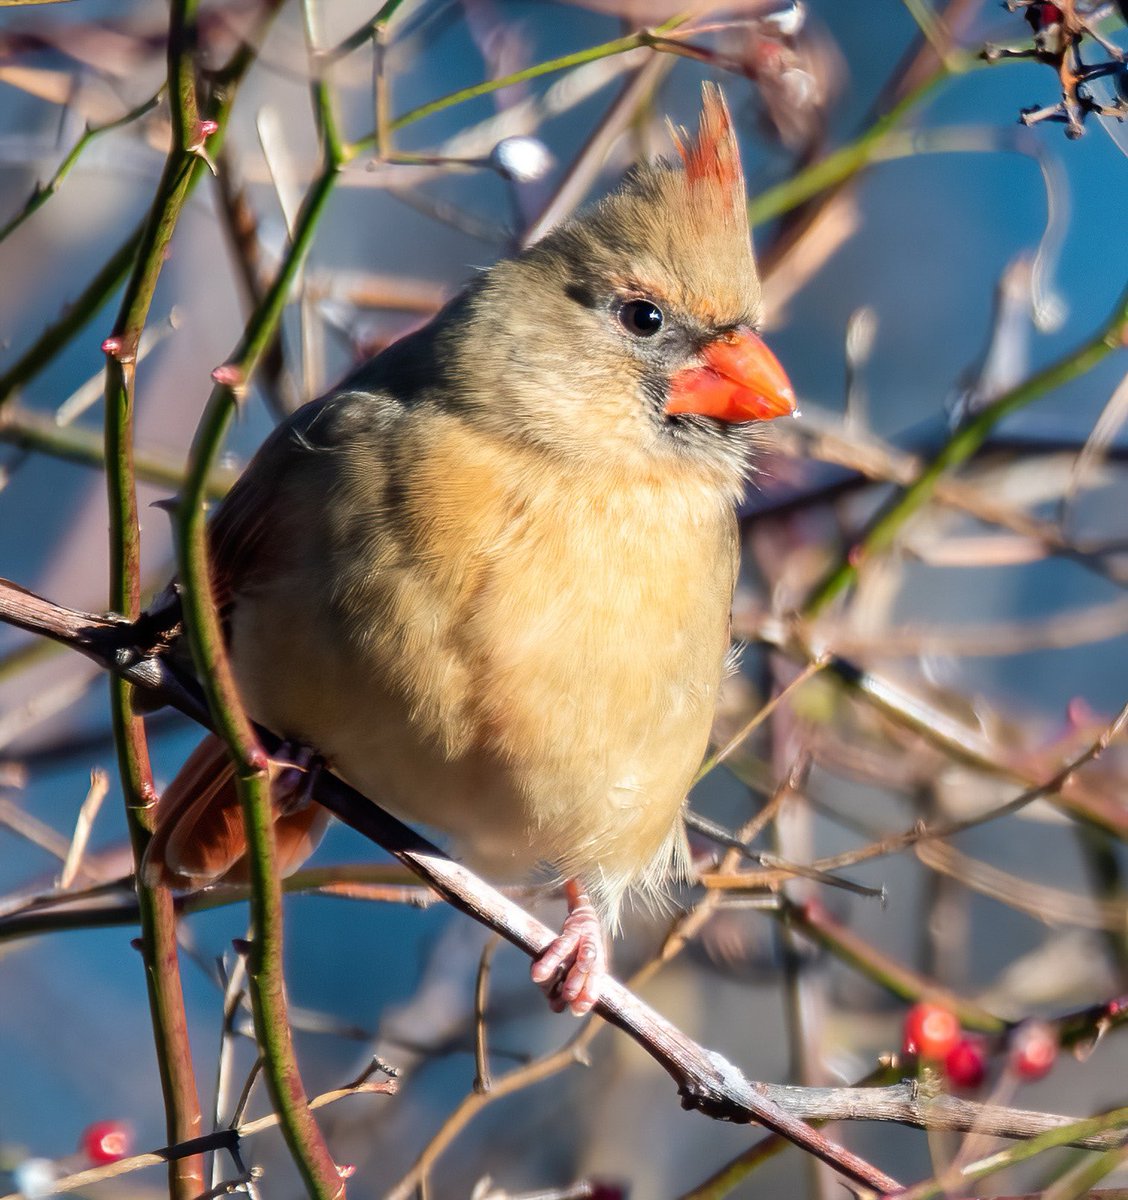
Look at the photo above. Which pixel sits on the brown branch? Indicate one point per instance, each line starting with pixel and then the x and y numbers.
pixel 830 441
pixel 222 1139
pixel 912 711
pixel 912 1103
pixel 1050 905
pixel 892 844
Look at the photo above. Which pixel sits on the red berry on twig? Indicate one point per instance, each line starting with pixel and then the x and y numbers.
pixel 930 1032
pixel 966 1063
pixel 106 1141
pixel 1034 1047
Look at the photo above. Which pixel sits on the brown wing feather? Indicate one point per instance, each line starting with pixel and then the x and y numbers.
pixel 238 537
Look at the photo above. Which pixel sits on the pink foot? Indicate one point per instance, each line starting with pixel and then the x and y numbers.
pixel 570 971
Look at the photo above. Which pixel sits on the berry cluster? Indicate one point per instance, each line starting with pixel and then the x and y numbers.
pixel 932 1036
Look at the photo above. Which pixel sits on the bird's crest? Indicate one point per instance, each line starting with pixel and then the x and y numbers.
pixel 712 158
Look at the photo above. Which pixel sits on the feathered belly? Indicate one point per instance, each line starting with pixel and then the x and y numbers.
pixel 548 701
pixel 578 753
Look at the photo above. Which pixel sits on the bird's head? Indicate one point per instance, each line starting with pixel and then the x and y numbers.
pixel 630 330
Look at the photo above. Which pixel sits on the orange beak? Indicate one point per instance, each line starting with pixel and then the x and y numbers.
pixel 741 380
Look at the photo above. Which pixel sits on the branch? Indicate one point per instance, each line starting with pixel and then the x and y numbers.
pixel 44 191
pixel 158 918
pixel 42 434
pixel 1062 1135
pixel 222 1139
pixel 74 317
pixel 960 447
pixel 954 737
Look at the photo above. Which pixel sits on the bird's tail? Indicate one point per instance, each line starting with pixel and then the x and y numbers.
pixel 198 837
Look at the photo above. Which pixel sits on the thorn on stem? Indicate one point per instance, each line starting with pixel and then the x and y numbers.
pixel 114 347
pixel 200 134
pixel 229 375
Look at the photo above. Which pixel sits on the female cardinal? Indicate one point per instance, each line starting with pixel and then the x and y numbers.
pixel 488 577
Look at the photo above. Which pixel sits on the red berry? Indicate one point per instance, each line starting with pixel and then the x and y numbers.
pixel 106 1141
pixel 1040 15
pixel 930 1032
pixel 1034 1046
pixel 966 1063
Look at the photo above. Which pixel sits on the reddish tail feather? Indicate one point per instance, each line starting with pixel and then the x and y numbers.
pixel 198 838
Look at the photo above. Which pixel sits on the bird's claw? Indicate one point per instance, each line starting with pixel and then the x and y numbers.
pixel 571 969
pixel 295 772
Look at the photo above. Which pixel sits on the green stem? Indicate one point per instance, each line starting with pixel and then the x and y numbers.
pixel 157 915
pixel 848 160
pixel 75 316
pixel 264 964
pixel 885 971
pixel 224 83
pixel 947 1184
pixel 45 191
pixel 644 37
pixel 74 443
pixel 183 103
pixel 964 442
pixel 373 28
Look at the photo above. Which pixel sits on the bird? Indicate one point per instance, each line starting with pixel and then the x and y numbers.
pixel 487 578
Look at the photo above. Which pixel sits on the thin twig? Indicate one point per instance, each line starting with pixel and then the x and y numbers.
pixel 72 864
pixel 44 191
pixel 223 1139
pixel 38 432
pixel 482 1080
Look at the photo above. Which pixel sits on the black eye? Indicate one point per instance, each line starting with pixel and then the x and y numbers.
pixel 643 318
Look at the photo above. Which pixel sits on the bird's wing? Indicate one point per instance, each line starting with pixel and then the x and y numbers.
pixel 279 505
